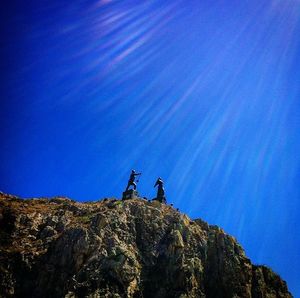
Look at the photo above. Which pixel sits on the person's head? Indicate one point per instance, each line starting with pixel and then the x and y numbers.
pixel 132 171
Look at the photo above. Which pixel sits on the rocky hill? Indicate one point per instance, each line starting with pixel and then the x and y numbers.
pixel 111 248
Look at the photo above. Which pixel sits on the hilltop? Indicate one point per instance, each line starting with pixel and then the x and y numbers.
pixel 111 248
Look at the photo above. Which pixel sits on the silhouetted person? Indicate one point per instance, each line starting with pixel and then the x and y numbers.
pixel 160 189
pixel 132 179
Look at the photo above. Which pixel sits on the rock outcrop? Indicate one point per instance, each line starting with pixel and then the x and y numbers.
pixel 111 248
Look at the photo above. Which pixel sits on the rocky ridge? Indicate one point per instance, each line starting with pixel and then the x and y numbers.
pixel 110 248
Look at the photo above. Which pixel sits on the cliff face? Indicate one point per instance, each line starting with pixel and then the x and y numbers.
pixel 110 248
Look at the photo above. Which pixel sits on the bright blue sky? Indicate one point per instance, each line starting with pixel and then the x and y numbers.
pixel 204 94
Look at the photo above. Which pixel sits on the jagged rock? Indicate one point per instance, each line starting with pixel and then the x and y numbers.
pixel 113 248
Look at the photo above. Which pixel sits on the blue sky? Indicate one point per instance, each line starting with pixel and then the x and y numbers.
pixel 204 94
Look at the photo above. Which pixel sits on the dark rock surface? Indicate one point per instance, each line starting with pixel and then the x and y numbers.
pixel 111 248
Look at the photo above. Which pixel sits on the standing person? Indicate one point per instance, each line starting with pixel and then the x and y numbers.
pixel 160 189
pixel 132 179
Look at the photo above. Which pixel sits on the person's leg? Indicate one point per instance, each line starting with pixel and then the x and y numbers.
pixel 128 185
pixel 134 185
